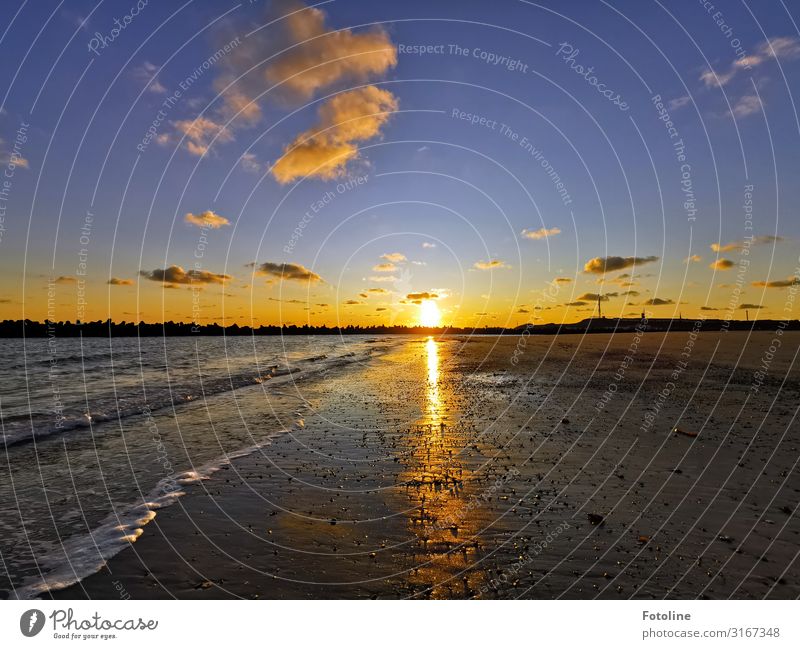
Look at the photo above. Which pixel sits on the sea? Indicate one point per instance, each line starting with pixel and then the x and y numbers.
pixel 98 434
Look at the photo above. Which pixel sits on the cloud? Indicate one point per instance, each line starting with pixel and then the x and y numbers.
pixel 708 308
pixel 760 240
pixel 489 265
pixel 417 298
pixel 116 281
pixel 601 265
pixel 344 120
pixel 352 302
pixel 778 48
pixel 381 308
pixel 395 257
pixel 657 301
pixel 541 233
pixel 631 293
pixel 384 278
pixel 593 297
pixel 779 283
pixel 575 303
pixel 13 157
pixel 428 244
pixel 207 219
pixel 176 275
pixel 319 58
pixel 250 163
pixel 285 271
pixel 65 279
pixel 385 268
pixel 522 309
pixel 679 102
pixel 146 75
pixel 200 132
pixel 747 105
pixel 378 291
pixel 750 306
pixel 721 264
pixel 562 280
pixel 693 258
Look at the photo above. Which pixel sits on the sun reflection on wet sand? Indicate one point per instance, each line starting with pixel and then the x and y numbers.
pixel 442 515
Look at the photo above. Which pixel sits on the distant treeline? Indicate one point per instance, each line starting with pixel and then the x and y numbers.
pixel 104 329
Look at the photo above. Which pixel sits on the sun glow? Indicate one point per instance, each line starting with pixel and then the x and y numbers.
pixel 429 314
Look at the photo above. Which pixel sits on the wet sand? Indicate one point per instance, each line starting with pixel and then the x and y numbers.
pixel 533 467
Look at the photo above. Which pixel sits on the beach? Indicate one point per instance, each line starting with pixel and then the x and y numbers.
pixel 602 466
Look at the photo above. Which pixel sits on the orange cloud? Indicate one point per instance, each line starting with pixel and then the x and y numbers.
pixel 325 150
pixel 489 265
pixel 541 233
pixel 601 265
pixel 294 272
pixel 116 281
pixel 176 275
pixel 722 264
pixel 207 219
pixel 318 58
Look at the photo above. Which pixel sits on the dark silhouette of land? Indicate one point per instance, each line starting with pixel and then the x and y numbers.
pixel 107 328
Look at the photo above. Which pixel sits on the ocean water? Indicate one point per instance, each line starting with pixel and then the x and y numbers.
pixel 98 434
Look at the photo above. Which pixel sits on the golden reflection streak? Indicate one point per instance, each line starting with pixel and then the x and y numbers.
pixel 434 401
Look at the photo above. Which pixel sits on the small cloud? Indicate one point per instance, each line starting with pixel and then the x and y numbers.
pixel 541 233
pixel 679 102
pixel 385 268
pixel 657 301
pixel 416 298
pixel 207 219
pixel 489 265
pixel 750 306
pixel 146 74
pixel 721 264
pixel 65 279
pixel 693 258
pixel 250 163
pixel 384 278
pixel 747 105
pixel 116 281
pixel 779 283
pixel 378 291
pixel 602 265
pixel 708 308
pixel 285 271
pixel 562 280
pixel 395 257
pixel 175 275
pixel 427 244
pixel 593 297
pixel 575 303
pixel 352 302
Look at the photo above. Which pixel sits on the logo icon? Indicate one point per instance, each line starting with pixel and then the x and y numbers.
pixel 31 622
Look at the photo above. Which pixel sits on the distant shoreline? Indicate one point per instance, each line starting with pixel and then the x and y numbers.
pixel 106 329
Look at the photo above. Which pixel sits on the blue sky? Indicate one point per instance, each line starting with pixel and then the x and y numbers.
pixel 429 176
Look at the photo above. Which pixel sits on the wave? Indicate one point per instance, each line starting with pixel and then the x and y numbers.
pixel 27 428
pixel 82 555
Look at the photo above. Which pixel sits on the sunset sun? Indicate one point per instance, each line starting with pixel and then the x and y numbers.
pixel 429 314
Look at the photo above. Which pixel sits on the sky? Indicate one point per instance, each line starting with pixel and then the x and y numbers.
pixel 376 163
